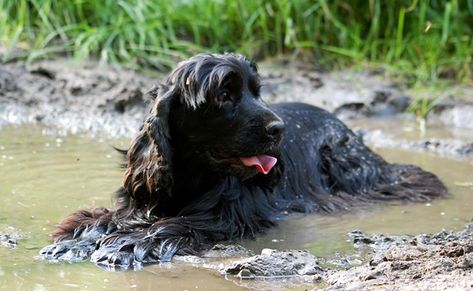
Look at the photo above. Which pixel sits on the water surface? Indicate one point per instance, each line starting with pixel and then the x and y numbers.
pixel 44 177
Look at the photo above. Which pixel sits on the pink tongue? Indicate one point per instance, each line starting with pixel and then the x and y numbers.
pixel 263 163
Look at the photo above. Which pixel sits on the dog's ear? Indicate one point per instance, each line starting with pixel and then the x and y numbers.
pixel 148 176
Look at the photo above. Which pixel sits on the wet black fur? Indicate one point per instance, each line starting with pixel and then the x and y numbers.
pixel 184 188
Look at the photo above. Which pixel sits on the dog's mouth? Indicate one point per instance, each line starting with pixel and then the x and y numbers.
pixel 263 163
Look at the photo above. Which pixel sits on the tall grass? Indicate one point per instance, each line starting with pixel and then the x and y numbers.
pixel 428 39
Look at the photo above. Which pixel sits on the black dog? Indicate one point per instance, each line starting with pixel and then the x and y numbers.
pixel 213 162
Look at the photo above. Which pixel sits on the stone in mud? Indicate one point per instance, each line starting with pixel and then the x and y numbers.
pixel 402 253
pixel 466 149
pixel 212 258
pixel 227 251
pixel 9 237
pixel 466 262
pixel 128 99
pixel 352 111
pixel 273 263
pixel 381 103
pixel 314 78
pixel 190 259
pixel 372 276
pixel 7 81
pixel 7 241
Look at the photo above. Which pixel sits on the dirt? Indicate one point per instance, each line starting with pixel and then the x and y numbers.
pixel 347 93
pixel 91 98
pixel 73 97
pixel 423 262
pixel 399 262
pixel 273 268
pixel 443 146
pixel 274 263
pixel 270 270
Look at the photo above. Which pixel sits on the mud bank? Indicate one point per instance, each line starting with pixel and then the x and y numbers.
pixel 423 262
pixel 73 97
pixel 91 98
pixel 443 261
pixel 450 147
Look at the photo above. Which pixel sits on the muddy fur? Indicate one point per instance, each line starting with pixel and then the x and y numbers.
pixel 184 189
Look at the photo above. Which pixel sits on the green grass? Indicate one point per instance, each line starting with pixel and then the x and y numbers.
pixel 421 108
pixel 426 39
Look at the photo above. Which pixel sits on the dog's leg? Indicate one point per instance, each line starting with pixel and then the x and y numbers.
pixel 75 237
pixel 229 211
pixel 158 243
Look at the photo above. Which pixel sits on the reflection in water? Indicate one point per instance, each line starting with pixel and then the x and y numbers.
pixel 44 177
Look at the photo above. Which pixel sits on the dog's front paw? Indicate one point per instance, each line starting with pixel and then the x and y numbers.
pixel 68 250
pixel 110 258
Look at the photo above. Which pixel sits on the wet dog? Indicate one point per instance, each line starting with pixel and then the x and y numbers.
pixel 213 162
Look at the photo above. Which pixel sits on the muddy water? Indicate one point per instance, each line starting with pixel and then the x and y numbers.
pixel 43 177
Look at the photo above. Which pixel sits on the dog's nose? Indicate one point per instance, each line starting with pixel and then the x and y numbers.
pixel 275 128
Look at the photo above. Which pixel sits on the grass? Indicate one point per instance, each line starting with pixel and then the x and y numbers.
pixel 422 40
pixel 429 39
pixel 421 108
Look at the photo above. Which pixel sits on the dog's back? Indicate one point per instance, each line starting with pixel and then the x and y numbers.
pixel 329 169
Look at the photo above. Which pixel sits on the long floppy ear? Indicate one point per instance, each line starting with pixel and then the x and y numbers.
pixel 148 177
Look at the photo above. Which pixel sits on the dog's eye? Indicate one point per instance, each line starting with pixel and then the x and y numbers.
pixel 224 97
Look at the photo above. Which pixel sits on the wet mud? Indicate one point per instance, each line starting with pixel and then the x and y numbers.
pixel 443 261
pixel 99 99
pixel 73 97
pixel 390 262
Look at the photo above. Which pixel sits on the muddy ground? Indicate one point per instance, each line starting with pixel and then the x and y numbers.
pixel 93 99
pixel 442 261
pixel 73 97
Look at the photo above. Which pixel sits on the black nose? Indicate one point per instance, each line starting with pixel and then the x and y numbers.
pixel 275 129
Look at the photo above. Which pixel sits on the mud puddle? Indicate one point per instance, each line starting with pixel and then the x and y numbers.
pixel 46 176
pixel 402 132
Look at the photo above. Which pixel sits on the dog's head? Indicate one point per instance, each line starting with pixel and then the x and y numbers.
pixel 220 116
pixel 208 107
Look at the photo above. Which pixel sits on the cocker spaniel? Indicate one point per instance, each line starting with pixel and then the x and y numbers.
pixel 213 162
